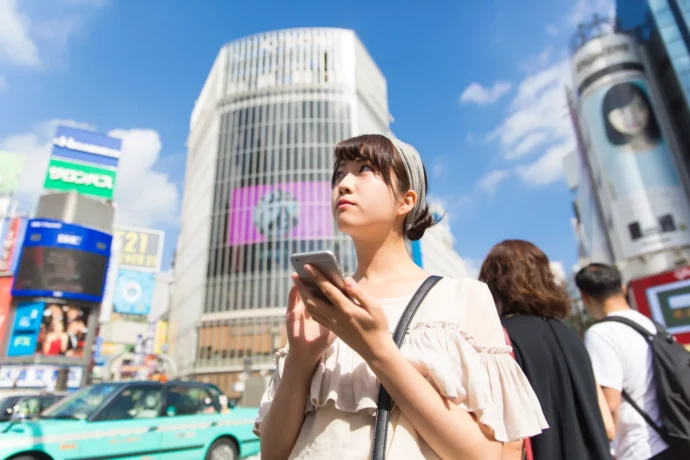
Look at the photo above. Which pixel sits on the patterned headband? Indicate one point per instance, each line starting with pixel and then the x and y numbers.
pixel 415 171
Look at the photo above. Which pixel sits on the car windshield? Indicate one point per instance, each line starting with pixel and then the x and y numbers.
pixel 81 405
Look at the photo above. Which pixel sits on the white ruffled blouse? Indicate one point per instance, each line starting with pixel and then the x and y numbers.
pixel 456 342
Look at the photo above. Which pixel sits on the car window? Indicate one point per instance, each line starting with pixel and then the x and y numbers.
pixel 29 406
pixel 219 397
pixel 135 402
pixel 82 404
pixel 7 406
pixel 47 401
pixel 189 400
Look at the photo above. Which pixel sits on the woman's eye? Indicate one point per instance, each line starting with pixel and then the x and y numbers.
pixel 366 168
pixel 338 175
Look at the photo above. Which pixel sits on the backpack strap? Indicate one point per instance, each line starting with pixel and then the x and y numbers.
pixel 630 323
pixel 385 402
pixel 649 337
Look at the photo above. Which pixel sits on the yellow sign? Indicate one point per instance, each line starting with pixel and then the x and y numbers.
pixel 139 248
pixel 161 337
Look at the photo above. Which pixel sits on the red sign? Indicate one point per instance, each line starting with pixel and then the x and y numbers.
pixel 665 298
pixel 9 244
pixel 5 301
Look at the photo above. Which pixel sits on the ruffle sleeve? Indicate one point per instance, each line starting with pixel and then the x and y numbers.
pixel 484 380
pixel 270 392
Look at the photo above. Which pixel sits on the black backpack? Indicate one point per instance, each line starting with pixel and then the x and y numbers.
pixel 671 363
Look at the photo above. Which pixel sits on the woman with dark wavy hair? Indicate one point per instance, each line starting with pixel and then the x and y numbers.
pixel 531 304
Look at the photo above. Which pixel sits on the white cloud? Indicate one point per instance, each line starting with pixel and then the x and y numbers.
pixel 15 44
pixel 145 197
pixel 527 145
pixel 478 94
pixel 538 118
pixel 549 168
pixel 490 182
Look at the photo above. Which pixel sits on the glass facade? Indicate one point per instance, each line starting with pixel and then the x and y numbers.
pixel 273 108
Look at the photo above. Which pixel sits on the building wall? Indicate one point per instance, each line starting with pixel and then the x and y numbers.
pixel 260 156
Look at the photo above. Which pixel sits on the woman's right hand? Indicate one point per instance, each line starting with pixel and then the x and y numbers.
pixel 308 339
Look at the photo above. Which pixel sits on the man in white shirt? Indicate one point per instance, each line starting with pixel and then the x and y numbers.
pixel 622 360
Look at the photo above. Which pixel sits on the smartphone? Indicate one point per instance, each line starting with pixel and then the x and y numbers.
pixel 325 262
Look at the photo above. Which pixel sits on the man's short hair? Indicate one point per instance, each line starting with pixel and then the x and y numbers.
pixel 599 281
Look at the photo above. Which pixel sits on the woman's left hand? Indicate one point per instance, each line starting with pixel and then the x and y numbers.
pixel 361 323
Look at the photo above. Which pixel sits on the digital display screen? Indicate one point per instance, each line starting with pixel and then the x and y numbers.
pixel 68 271
pixel 291 210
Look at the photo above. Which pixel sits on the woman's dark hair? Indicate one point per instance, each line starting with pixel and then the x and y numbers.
pixel 381 154
pixel 599 281
pixel 520 278
pixel 619 96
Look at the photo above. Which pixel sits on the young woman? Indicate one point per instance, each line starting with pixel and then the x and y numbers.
pixel 458 394
pixel 531 305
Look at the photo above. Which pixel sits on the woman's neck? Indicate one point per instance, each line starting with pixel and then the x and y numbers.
pixel 383 259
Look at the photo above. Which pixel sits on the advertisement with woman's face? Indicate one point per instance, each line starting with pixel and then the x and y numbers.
pixel 649 208
pixel 63 331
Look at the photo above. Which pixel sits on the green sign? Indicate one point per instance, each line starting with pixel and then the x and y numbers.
pixel 84 179
pixel 11 166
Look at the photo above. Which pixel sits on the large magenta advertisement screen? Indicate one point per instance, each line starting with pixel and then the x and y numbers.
pixel 295 210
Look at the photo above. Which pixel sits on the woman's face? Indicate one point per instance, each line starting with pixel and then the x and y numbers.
pixel 362 201
pixel 631 119
pixel 58 326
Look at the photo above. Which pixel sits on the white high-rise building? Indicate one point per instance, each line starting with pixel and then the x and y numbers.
pixel 435 251
pixel 257 188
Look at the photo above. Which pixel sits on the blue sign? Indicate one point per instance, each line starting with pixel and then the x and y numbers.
pixel 133 292
pixel 86 147
pixel 27 323
pixel 63 261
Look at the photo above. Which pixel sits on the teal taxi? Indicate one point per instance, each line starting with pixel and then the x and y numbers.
pixel 135 420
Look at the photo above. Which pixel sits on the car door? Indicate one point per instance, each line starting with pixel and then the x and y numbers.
pixel 128 425
pixel 189 421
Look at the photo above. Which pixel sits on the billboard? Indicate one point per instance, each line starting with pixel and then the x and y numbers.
pixel 62 260
pixel 28 319
pixel 11 165
pixel 5 302
pixel 81 146
pixel 649 208
pixel 63 331
pixel 293 210
pixel 83 178
pixel 33 376
pixel 134 293
pixel 140 248
pixel 665 298
pixel 11 244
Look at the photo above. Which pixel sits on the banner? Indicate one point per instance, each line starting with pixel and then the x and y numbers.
pixel 28 318
pixel 5 302
pixel 63 331
pixel 62 260
pixel 134 293
pixel 140 248
pixel 82 178
pixel 11 247
pixel 32 376
pixel 293 210
pixel 649 208
pixel 74 144
pixel 11 166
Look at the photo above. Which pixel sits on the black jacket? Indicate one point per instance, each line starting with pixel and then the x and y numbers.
pixel 557 365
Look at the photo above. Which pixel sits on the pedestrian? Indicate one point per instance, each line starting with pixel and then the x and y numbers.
pixel 457 392
pixel 531 305
pixel 622 361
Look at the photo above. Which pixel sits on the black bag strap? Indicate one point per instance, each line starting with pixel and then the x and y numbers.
pixel 630 323
pixel 649 337
pixel 385 402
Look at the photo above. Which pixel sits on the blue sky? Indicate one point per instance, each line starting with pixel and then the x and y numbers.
pixel 477 87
